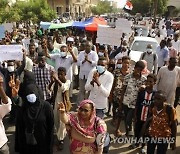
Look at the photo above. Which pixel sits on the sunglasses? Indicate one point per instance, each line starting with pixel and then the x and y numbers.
pixel 83 110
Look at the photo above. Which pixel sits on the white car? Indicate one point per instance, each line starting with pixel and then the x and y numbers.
pixel 138 46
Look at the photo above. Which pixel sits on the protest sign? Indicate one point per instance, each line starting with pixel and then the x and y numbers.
pixel 11 52
pixel 8 27
pixel 2 32
pixel 109 36
pixel 26 43
pixel 124 25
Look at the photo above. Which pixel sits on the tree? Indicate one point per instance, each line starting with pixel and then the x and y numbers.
pixel 146 6
pixel 34 10
pixel 3 5
pixel 175 12
pixel 140 6
pixel 102 7
pixel 161 6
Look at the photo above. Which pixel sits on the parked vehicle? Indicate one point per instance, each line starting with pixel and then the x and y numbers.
pixel 144 30
pixel 138 46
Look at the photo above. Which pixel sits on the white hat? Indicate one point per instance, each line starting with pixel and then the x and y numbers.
pixel 70 39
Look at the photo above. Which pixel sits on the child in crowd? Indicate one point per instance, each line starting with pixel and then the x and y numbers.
pixel 143 104
pixel 162 126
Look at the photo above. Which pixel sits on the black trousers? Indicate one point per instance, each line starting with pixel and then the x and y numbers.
pixel 161 148
pixel 177 97
pixel 129 114
pixel 138 126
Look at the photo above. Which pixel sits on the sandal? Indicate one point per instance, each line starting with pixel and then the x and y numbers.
pixel 133 146
pixel 60 145
pixel 118 133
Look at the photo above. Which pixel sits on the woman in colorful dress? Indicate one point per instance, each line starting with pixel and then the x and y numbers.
pixel 86 131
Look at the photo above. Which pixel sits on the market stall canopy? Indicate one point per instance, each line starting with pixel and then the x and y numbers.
pixel 61 25
pixel 91 24
pixel 94 25
pixel 82 25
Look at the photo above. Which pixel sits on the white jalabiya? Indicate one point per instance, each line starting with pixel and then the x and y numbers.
pixel 167 82
pixel 59 126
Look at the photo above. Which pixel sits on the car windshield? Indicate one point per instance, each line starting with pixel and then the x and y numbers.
pixel 141 45
pixel 144 30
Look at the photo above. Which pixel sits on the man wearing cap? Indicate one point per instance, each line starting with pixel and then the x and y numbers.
pixel 87 60
pixel 70 44
pixel 151 58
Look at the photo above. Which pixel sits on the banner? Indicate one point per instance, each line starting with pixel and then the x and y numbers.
pixel 8 27
pixel 109 36
pixel 124 25
pixel 11 52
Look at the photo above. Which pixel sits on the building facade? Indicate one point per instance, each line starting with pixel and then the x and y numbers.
pixel 75 8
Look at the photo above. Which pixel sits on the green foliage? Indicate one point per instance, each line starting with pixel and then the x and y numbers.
pixel 144 6
pixel 34 10
pixel 175 12
pixel 102 7
pixel 140 6
pixel 161 6
pixel 3 4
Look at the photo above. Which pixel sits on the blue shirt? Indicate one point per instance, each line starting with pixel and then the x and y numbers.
pixel 163 55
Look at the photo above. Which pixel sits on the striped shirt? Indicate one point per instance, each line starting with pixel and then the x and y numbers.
pixel 144 101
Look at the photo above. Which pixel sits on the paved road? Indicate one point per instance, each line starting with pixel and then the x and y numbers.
pixel 115 148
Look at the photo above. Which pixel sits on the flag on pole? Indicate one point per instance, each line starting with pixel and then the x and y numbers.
pixel 128 5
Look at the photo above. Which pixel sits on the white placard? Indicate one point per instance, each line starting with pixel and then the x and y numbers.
pixel 109 36
pixel 2 32
pixel 26 43
pixel 124 25
pixel 8 27
pixel 11 52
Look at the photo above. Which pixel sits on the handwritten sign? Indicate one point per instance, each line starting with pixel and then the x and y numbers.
pixel 2 32
pixel 11 52
pixel 124 25
pixel 109 36
pixel 26 43
pixel 8 27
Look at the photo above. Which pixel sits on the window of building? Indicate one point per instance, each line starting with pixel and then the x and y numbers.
pixel 59 10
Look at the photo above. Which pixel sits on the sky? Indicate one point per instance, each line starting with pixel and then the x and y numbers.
pixel 121 3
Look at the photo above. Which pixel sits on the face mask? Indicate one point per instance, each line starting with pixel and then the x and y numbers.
pixel 100 69
pixel 119 66
pixel 31 98
pixel 63 54
pixel 149 50
pixel 10 68
pixel 100 54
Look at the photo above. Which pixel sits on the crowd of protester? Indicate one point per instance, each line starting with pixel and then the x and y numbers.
pixel 39 92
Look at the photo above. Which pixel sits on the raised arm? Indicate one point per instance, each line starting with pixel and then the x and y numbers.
pixel 21 68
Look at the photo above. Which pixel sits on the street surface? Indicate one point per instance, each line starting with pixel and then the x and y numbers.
pixel 115 148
